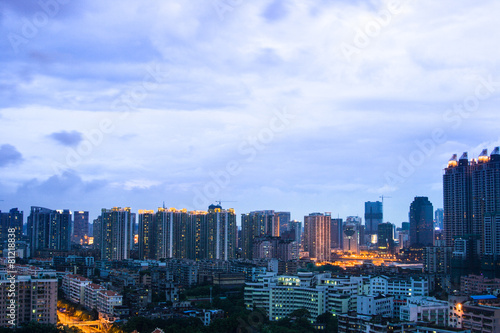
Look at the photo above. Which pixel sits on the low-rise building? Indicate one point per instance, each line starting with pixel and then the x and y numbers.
pixel 281 295
pixel 425 309
pixel 481 318
pixel 73 287
pixel 107 300
pixel 478 284
pixel 400 287
pixel 375 305
pixel 91 290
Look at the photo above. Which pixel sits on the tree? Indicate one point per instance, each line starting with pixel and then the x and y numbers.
pixel 329 320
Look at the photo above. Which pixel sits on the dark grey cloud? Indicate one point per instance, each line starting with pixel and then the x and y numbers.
pixel 9 155
pixel 70 139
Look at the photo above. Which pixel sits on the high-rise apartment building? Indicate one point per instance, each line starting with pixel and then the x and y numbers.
pixel 182 234
pixel 317 227
pixel 373 217
pixel 49 229
pixel 457 195
pixel 147 235
pixel 471 193
pixel 283 220
pixel 221 229
pixel 80 226
pixel 96 232
pixel 12 219
pixel 486 207
pixel 421 223
pixel 116 233
pixel 257 224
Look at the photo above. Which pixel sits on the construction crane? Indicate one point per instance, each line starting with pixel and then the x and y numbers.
pixel 382 197
pixel 220 201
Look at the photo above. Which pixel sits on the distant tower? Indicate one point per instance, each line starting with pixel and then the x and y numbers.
pixel 80 226
pixel 351 236
pixel 336 233
pixel 283 219
pixel 296 226
pixel 385 237
pixel 421 223
pixel 373 217
pixel 438 218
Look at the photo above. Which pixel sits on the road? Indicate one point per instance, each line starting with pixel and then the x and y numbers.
pixel 66 319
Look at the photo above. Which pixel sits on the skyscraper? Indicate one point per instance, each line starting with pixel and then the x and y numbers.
pixel 116 233
pixel 421 223
pixel 49 229
pixel 80 226
pixel 373 217
pixel 317 228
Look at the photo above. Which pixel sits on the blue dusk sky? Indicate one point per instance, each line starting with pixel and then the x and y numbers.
pixel 301 105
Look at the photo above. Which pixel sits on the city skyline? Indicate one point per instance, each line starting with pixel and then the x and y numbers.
pixel 299 106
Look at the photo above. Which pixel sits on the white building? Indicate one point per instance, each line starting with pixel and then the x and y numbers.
pixel 425 309
pixel 107 300
pixel 281 295
pixel 73 287
pixel 374 305
pixel 91 295
pixel 400 287
pixel 343 292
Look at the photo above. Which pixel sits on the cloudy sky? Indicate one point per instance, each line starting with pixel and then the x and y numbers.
pixel 299 105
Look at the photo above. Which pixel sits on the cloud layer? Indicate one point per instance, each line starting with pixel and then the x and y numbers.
pixel 288 105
